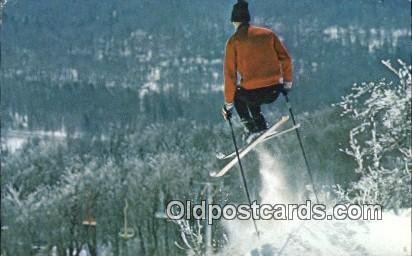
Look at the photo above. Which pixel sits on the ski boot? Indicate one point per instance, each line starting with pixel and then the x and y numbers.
pixel 259 127
pixel 253 129
pixel 260 123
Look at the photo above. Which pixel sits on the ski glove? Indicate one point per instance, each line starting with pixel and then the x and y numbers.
pixel 227 110
pixel 287 86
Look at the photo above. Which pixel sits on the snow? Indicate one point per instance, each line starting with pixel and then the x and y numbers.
pixel 389 236
pixel 394 230
pixel 332 32
pixel 13 140
pixel 373 38
pixel 13 144
pixel 152 84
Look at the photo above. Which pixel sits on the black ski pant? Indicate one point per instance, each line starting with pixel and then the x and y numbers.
pixel 248 105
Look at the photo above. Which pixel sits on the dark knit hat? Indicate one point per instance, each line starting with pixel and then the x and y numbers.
pixel 240 12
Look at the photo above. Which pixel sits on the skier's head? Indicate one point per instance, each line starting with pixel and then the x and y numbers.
pixel 240 12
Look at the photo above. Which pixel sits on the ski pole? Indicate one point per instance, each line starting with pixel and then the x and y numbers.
pixel 242 173
pixel 301 146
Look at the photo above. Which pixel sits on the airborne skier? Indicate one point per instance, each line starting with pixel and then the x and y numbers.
pixel 257 67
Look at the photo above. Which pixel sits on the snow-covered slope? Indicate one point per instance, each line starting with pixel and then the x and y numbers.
pixel 390 236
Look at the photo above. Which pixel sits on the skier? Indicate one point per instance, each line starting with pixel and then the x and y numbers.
pixel 257 67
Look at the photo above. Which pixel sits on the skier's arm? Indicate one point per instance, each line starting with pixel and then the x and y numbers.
pixel 230 72
pixel 284 58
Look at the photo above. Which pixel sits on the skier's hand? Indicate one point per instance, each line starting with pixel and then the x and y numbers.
pixel 287 86
pixel 227 110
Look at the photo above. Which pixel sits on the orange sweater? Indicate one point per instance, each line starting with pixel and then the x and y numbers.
pixel 258 56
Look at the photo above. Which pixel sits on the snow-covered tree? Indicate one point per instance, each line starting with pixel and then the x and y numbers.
pixel 380 140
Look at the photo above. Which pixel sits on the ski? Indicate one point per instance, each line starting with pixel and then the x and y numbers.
pixel 250 146
pixel 222 156
pixel 277 134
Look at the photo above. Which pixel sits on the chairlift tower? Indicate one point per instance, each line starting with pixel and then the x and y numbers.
pixel 126 233
pixel 90 224
pixel 208 187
